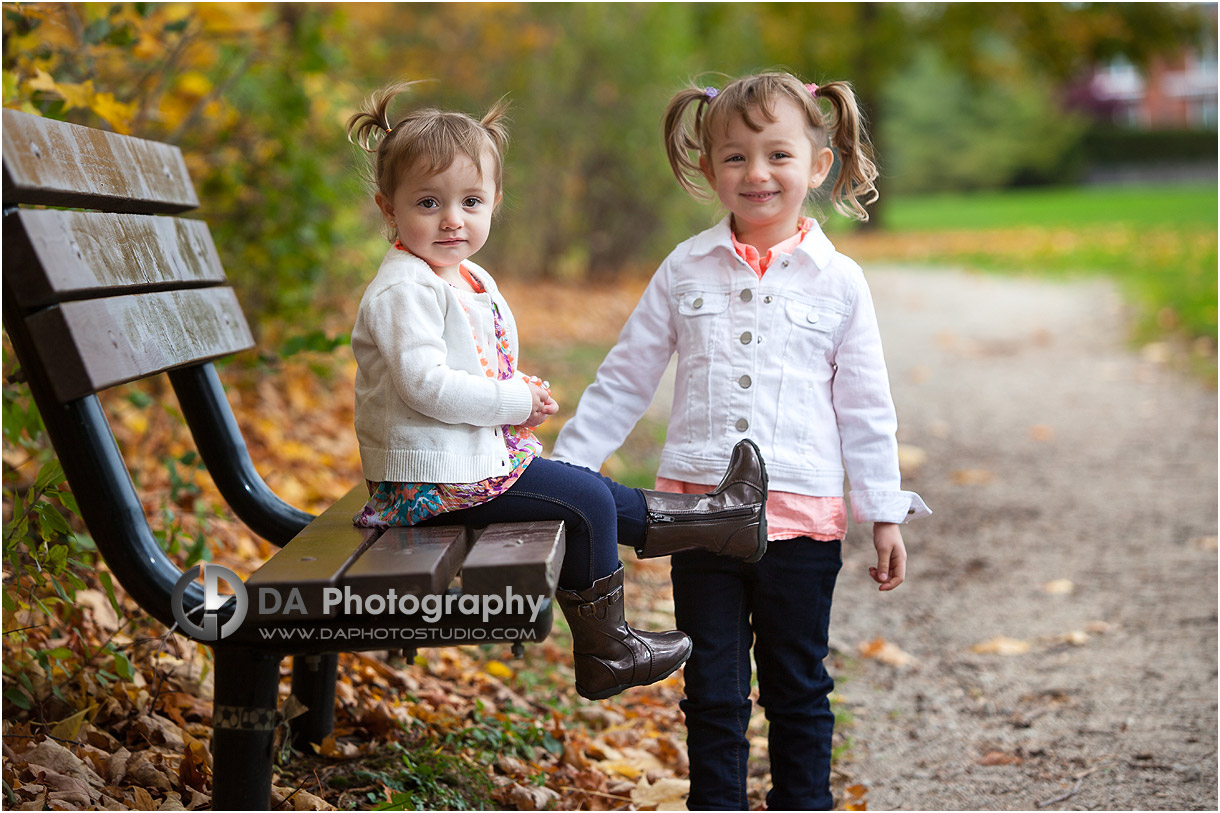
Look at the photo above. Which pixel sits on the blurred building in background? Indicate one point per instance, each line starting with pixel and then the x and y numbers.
pixel 1172 94
pixel 1151 123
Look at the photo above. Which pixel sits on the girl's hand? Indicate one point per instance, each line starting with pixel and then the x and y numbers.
pixel 891 569
pixel 544 405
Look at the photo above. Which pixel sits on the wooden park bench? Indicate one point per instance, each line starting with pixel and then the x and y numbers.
pixel 97 298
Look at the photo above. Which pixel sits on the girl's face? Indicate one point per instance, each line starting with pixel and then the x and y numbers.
pixel 445 217
pixel 763 177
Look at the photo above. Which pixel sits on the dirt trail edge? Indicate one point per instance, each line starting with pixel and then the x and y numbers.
pixel 1054 646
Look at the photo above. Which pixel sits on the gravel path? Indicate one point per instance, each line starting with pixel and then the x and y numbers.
pixel 1073 545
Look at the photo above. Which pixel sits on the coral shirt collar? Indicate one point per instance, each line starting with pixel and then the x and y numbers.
pixel 761 262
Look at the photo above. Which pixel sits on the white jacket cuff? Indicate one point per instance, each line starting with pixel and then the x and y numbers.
pixel 887 506
pixel 516 403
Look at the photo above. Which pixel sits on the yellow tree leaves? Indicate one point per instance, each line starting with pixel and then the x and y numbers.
pixel 133 67
pixel 83 95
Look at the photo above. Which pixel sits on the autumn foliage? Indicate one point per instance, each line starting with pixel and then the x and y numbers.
pixel 103 707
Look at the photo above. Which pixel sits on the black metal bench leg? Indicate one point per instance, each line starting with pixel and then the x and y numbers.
pixel 313 683
pixel 244 718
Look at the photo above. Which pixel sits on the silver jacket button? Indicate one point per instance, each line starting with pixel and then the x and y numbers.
pixel 742 424
pixel 745 382
pixel 746 337
pixel 747 295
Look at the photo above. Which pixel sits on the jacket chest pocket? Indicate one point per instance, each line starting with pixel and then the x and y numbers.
pixel 812 329
pixel 701 318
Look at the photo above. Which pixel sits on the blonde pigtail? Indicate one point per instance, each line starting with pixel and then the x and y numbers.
pixel 681 140
pixel 373 121
pixel 495 123
pixel 855 186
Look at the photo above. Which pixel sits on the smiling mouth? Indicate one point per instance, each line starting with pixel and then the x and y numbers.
pixel 758 196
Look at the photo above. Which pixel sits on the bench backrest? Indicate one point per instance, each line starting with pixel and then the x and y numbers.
pixel 97 298
pixel 110 296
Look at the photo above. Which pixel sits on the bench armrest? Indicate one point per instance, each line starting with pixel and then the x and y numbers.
pixel 222 447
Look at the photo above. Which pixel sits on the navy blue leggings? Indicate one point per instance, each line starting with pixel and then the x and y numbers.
pixel 599 515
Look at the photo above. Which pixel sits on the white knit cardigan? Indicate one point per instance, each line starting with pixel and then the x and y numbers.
pixel 426 412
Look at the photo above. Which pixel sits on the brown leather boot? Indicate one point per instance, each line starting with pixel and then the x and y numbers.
pixel 730 520
pixel 611 656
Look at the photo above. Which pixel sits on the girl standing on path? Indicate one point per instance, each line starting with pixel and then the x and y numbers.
pixel 443 414
pixel 777 340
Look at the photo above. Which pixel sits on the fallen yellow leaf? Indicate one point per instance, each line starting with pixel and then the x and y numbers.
pixel 330 747
pixel 1059 587
pixel 971 477
pixel 632 763
pixel 667 793
pixel 1075 638
pixel 890 654
pixel 620 767
pixel 498 669
pixel 1001 645
pixel 69 728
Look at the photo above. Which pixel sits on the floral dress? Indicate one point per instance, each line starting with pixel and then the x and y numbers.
pixel 393 504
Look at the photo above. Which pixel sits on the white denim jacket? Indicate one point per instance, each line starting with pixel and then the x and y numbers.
pixel 792 361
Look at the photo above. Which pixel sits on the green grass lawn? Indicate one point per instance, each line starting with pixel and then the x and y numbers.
pixel 1157 242
pixel 1178 206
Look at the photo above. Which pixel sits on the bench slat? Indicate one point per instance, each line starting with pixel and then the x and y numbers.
pixel 54 255
pixel 415 561
pixel 315 559
pixel 60 164
pixel 91 345
pixel 523 555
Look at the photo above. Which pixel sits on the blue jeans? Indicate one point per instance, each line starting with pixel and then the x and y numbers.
pixel 599 515
pixel 781 604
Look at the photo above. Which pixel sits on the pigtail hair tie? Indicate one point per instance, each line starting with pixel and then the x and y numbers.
pixel 813 89
pixel 710 93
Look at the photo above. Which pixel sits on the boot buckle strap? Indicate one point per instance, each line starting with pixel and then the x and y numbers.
pixel 599 606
